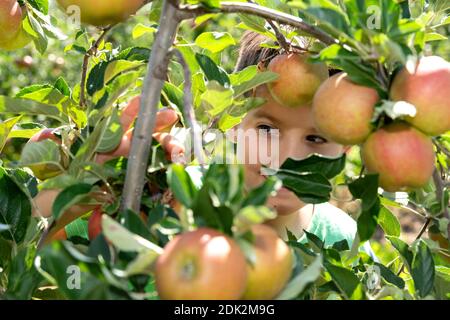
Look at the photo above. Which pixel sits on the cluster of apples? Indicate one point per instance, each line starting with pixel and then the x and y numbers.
pixel 206 264
pixel 401 151
pixel 13 36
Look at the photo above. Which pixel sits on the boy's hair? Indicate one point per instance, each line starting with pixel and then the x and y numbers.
pixel 251 52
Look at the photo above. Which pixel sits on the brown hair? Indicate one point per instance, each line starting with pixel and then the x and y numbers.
pixel 251 52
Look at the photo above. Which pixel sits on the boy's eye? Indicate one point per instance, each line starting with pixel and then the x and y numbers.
pixel 316 139
pixel 265 127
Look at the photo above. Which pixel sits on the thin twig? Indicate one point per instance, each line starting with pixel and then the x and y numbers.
pixel 189 110
pixel 92 51
pixel 280 37
pixel 191 11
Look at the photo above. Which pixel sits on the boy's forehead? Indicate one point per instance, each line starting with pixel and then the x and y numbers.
pixel 271 109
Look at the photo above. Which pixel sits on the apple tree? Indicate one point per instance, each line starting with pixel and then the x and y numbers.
pixel 92 203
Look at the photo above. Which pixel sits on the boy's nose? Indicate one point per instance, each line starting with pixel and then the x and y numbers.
pixel 292 148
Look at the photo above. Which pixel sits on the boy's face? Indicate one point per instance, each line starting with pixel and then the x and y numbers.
pixel 298 138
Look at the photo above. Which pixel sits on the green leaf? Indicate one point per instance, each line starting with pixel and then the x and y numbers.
pixel 125 240
pixel 140 30
pixel 77 228
pixel 259 195
pixel 390 277
pixel 34 28
pixel 309 187
pixel 211 70
pixel 216 100
pixel 347 282
pixel 244 75
pixel 434 36
pixel 251 215
pixel 113 134
pixel 5 130
pixel 30 108
pixel 45 152
pixel 368 221
pixel 389 222
pixel 298 284
pixel 402 248
pixel 422 269
pixel 259 79
pixel 15 208
pixel 133 222
pixel 215 41
pixel 316 163
pixel 68 197
pixel 181 184
pixel 366 189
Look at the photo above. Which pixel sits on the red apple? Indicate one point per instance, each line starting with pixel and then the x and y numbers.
pixel 201 265
pixel 298 79
pixel 272 268
pixel 427 88
pixel 10 20
pixel 401 155
pixel 342 110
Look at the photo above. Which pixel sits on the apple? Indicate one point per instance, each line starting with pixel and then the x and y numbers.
pixel 103 12
pixel 427 89
pixel 10 20
pixel 18 42
pixel 201 265
pixel 342 110
pixel 45 171
pixel 401 155
pixel 272 268
pixel 95 223
pixel 298 79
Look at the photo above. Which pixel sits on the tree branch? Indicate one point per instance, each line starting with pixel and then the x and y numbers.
pixel 189 110
pixel 151 94
pixel 92 51
pixel 191 11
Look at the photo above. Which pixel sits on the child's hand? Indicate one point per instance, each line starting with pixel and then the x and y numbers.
pixel 165 119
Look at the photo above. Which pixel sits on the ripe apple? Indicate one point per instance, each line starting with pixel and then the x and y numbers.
pixel 401 155
pixel 342 110
pixel 427 89
pixel 18 42
pixel 298 79
pixel 45 171
pixel 201 265
pixel 10 19
pixel 103 12
pixel 273 265
pixel 95 223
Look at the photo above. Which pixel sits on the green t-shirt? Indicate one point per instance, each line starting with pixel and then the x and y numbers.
pixel 330 224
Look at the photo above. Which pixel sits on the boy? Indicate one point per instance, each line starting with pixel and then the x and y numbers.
pixel 298 138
